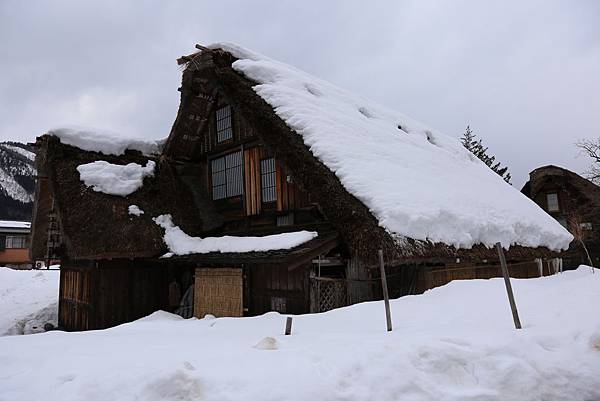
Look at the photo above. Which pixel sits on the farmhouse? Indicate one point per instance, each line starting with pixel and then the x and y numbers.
pixel 274 191
pixel 575 203
pixel 14 243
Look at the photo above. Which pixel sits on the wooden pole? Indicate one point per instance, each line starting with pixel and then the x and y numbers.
pixel 288 326
pixel 509 291
pixel 386 297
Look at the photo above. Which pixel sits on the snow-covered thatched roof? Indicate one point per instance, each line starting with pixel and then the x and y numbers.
pixel 417 182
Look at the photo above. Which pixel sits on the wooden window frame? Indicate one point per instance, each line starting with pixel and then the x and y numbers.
pixel 12 239
pixel 552 209
pixel 228 180
pixel 224 123
pixel 268 180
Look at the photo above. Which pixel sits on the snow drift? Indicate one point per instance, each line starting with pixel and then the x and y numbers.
pixel 28 300
pixel 417 182
pixel 455 342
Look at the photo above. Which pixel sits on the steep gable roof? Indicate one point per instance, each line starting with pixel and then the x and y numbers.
pixel 410 188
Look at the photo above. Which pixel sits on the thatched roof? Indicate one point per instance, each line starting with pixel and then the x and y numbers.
pixel 95 225
pixel 351 217
pixel 560 176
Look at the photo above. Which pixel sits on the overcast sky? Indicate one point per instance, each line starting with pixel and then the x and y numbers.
pixel 525 75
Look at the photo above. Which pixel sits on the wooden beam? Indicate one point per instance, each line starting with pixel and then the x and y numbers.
pixel 509 291
pixel 200 47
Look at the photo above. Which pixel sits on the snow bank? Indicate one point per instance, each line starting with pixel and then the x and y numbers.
pixel 452 343
pixel 419 183
pixel 180 243
pixel 115 179
pixel 104 142
pixel 28 299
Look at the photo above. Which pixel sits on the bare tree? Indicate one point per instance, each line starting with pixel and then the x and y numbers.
pixel 591 148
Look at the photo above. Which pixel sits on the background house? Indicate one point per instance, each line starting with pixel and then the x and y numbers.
pixel 14 244
pixel 575 203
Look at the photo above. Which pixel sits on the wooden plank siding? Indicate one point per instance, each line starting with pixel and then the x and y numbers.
pixel 274 287
pixel 114 292
pixel 76 299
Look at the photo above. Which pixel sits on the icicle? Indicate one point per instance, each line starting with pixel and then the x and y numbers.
pixel 540 266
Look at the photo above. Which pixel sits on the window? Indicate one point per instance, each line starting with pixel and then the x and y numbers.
pixel 267 180
pixel 224 130
pixel 285 220
pixel 552 202
pixel 16 241
pixel 227 177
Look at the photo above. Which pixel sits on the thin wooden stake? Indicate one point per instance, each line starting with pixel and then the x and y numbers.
pixel 386 297
pixel 288 326
pixel 509 291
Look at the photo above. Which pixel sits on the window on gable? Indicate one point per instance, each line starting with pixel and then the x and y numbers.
pixel 267 180
pixel 227 177
pixel 224 129
pixel 16 241
pixel 552 202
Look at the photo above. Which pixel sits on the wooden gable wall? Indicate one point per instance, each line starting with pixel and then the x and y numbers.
pixel 193 141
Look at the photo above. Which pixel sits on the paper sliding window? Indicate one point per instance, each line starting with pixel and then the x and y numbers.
pixel 267 179
pixel 227 177
pixel 224 128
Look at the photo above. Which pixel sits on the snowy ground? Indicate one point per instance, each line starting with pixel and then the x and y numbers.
pixel 28 299
pixel 456 342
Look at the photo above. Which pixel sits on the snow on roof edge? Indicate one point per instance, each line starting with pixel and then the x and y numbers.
pixel 180 243
pixel 108 143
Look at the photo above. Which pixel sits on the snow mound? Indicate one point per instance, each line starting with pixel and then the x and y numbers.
pixel 418 183
pixel 180 243
pixel 267 343
pixel 28 299
pixel 115 179
pixel 160 316
pixel 104 142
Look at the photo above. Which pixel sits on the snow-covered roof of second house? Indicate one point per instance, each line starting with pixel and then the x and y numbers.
pixel 15 224
pixel 417 182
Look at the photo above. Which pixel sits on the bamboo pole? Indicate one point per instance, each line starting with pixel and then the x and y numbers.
pixel 386 297
pixel 509 291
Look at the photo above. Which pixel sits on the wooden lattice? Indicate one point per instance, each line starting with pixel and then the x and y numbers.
pixel 331 293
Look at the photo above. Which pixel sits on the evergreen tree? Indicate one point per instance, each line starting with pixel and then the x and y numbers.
pixel 476 146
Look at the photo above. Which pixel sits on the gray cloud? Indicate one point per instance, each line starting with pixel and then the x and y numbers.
pixel 524 75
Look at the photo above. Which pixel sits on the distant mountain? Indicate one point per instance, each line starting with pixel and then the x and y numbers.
pixel 16 181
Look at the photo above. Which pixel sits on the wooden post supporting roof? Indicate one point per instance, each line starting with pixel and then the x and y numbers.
pixel 511 298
